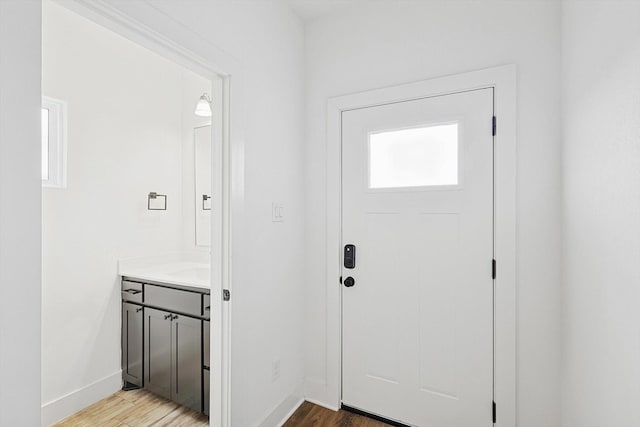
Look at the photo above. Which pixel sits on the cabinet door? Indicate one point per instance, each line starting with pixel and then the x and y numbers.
pixel 187 353
pixel 132 343
pixel 205 394
pixel 206 340
pixel 158 347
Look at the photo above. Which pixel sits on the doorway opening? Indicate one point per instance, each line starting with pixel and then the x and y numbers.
pixel 135 203
pixel 379 191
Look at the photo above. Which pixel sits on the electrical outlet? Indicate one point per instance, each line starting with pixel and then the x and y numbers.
pixel 275 370
pixel 277 212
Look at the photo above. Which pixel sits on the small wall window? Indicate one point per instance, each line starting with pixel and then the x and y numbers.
pixel 418 157
pixel 54 143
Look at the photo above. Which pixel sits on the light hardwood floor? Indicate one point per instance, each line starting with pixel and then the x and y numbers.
pixel 310 415
pixel 139 408
pixel 135 408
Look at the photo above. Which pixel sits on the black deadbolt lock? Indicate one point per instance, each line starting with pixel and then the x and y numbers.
pixel 349 256
pixel 349 282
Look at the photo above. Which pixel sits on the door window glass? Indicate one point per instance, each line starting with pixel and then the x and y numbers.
pixel 416 157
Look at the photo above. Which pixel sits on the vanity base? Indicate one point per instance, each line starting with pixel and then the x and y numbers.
pixel 165 341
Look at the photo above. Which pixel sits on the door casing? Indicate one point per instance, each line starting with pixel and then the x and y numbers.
pixel 503 80
pixel 227 158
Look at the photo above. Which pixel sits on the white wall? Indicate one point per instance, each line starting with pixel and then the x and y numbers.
pixel 601 170
pixel 388 43
pixel 127 113
pixel 19 213
pixel 266 40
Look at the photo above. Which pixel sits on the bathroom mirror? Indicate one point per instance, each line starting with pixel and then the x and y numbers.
pixel 204 197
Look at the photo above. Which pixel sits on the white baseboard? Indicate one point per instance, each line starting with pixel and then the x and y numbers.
pixel 324 405
pixel 62 407
pixel 284 410
pixel 293 408
pixel 317 392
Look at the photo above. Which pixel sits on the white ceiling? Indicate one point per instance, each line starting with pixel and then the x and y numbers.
pixel 310 10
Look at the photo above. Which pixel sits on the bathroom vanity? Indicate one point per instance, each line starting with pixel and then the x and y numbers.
pixel 165 334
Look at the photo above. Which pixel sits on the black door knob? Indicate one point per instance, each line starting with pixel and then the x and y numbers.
pixel 349 282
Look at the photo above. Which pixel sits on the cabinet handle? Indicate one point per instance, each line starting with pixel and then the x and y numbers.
pixel 138 310
pixel 132 291
pixel 207 308
pixel 167 317
pixel 175 316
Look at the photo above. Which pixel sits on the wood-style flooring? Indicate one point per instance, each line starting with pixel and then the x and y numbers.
pixel 135 408
pixel 310 415
pixel 139 408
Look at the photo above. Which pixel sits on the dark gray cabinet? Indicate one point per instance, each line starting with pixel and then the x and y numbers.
pixel 206 364
pixel 186 387
pixel 173 357
pixel 206 335
pixel 132 360
pixel 205 378
pixel 157 349
pixel 165 341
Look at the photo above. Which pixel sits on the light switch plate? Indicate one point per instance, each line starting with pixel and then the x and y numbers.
pixel 275 370
pixel 277 212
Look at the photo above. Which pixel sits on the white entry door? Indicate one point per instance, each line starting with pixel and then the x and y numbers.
pixel 417 206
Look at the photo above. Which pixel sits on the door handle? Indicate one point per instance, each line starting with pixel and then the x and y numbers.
pixel 349 282
pixel 349 256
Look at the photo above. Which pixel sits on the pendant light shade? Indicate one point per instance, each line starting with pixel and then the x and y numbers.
pixel 203 107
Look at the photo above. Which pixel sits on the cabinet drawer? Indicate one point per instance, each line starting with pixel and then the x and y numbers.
pixel 173 299
pixel 132 291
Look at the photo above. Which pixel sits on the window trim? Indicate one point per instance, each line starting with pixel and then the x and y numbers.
pixel 57 142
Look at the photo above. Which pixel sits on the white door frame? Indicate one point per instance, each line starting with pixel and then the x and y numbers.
pixel 227 159
pixel 503 80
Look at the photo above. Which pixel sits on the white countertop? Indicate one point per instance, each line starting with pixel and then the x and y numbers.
pixel 183 270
